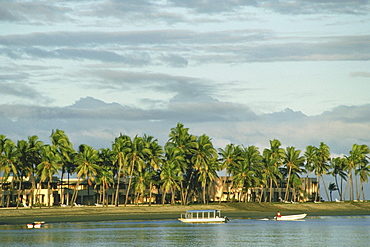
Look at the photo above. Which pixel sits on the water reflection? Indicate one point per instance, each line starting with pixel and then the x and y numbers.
pixel 326 231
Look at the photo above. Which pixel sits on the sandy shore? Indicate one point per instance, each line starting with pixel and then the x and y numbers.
pixel 159 212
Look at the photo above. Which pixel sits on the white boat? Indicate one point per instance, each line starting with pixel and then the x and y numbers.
pixel 36 224
pixel 203 216
pixel 290 217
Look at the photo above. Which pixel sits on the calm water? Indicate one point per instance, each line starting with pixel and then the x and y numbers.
pixel 324 231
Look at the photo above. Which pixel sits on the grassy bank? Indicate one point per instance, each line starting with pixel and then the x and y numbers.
pixel 159 212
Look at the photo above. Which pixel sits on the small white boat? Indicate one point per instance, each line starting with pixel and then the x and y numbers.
pixel 290 217
pixel 203 216
pixel 36 224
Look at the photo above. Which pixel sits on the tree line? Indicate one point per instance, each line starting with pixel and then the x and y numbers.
pixel 183 169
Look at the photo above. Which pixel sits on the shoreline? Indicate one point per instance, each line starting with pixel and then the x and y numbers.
pixel 13 216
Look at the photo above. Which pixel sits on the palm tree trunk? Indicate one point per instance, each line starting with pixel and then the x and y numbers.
pixel 287 185
pixel 318 189
pixel 357 189
pixel 129 183
pixel 271 189
pixel 362 189
pixel 350 186
pixel 326 190
pixel 49 190
pixel 19 192
pixel 150 193
pixel 188 187
pixel 339 189
pixel 75 193
pixel 116 198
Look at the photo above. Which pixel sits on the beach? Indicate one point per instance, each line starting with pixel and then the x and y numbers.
pixel 9 216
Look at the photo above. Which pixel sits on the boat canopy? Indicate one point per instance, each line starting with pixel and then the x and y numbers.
pixel 203 211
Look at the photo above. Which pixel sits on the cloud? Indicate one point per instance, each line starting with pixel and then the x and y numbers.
pixel 97 123
pixel 173 11
pixel 182 48
pixel 32 12
pixel 360 74
pixel 20 91
pixel 284 7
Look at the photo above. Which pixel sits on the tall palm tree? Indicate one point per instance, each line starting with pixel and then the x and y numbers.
pixel 277 155
pixel 293 162
pixel 49 166
pixel 105 180
pixel 105 177
pixel 33 159
pixel 154 159
pixel 171 175
pixel 204 161
pixel 120 149
pixel 22 147
pixel 321 165
pixel 180 138
pixel 9 165
pixel 87 167
pixel 229 158
pixel 135 160
pixel 363 170
pixel 310 155
pixel 244 174
pixel 338 169
pixel 171 172
pixel 270 171
pixel 66 152
pixel 356 157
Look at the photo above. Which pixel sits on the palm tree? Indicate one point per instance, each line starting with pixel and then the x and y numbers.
pixel 171 174
pixel 9 164
pixel 22 147
pixel 321 165
pixel 49 166
pixel 180 138
pixel 135 160
pixel 277 155
pixel 293 163
pixel 363 170
pixel 310 155
pixel 244 174
pixel 270 171
pixel 105 177
pixel 87 167
pixel 356 157
pixel 141 180
pixel 154 159
pixel 121 147
pixel 204 159
pixel 66 152
pixel 33 159
pixel 338 168
pixel 229 158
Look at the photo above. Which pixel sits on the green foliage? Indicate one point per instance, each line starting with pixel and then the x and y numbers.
pixel 185 168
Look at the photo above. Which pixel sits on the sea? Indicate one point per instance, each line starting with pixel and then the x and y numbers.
pixel 312 231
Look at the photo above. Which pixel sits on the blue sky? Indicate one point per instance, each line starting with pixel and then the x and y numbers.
pixel 240 71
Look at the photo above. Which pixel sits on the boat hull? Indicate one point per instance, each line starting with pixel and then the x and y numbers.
pixel 290 217
pixel 212 220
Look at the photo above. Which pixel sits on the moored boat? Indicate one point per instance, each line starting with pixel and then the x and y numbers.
pixel 203 216
pixel 36 224
pixel 290 217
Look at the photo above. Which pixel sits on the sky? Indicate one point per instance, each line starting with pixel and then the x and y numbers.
pixel 240 71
